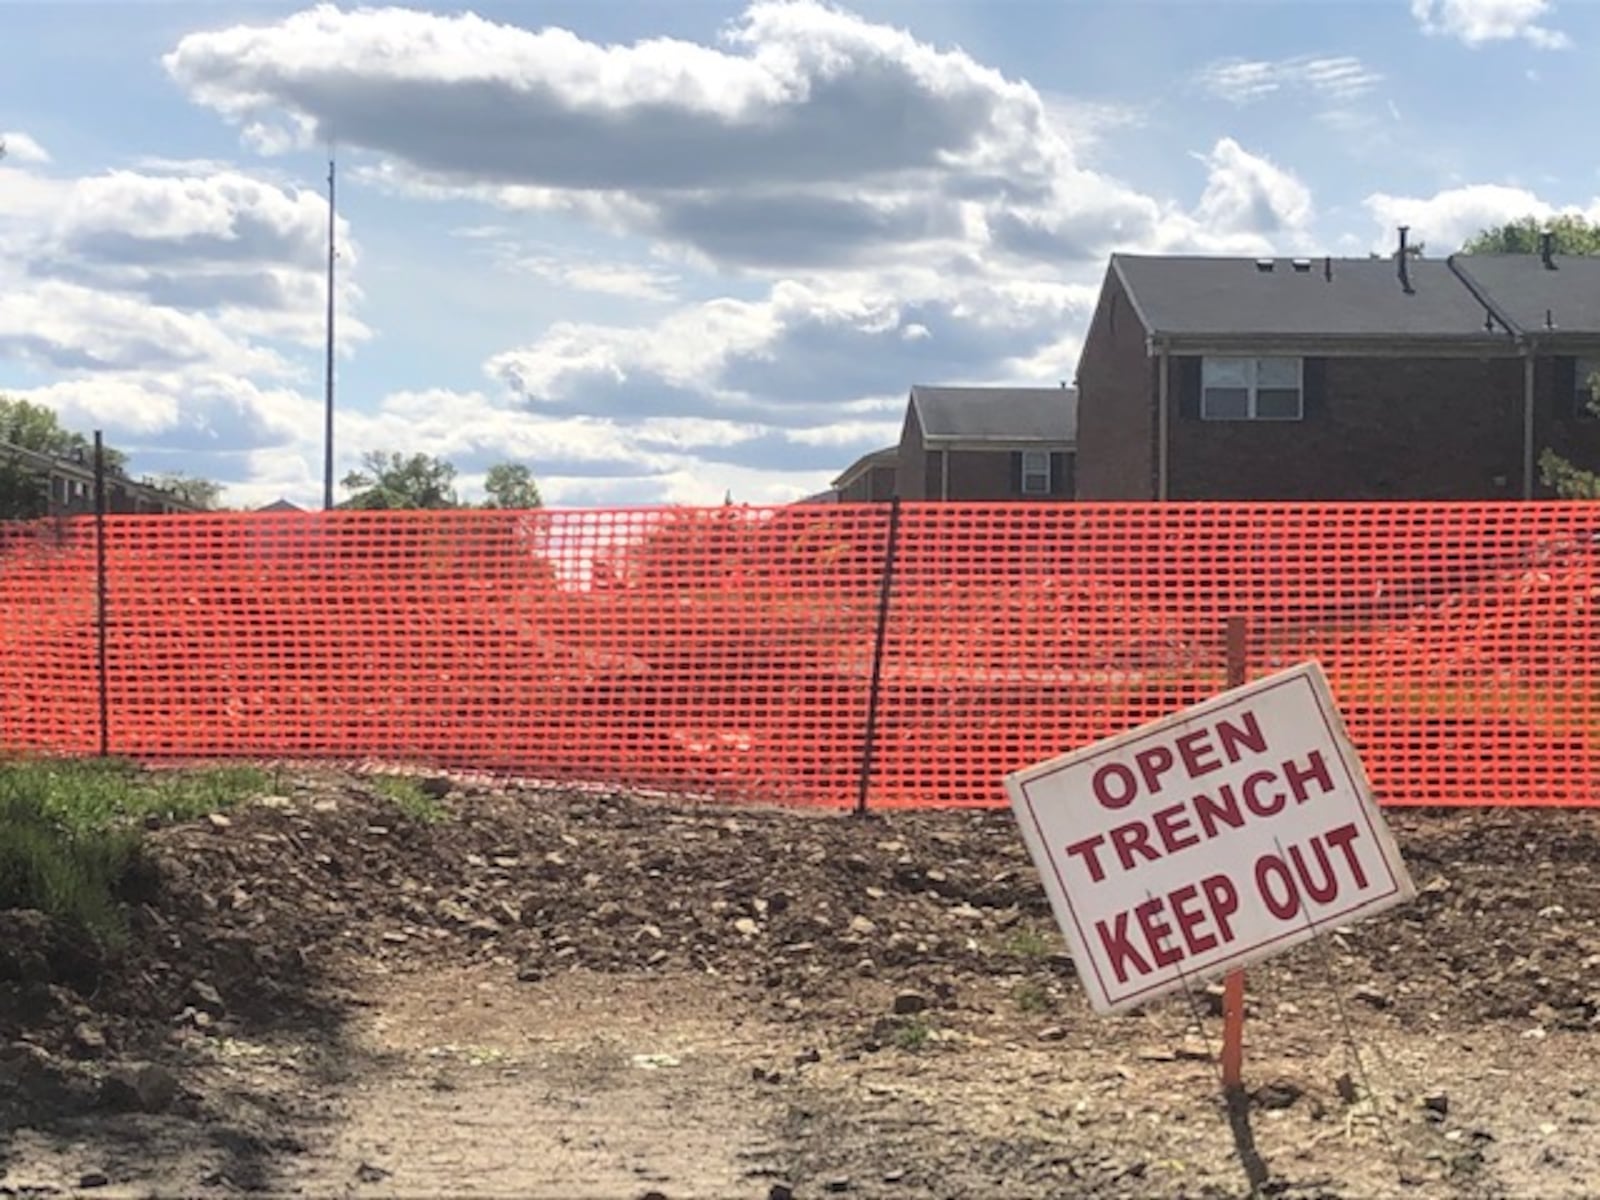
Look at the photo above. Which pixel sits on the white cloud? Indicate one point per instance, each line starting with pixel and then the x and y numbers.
pixel 1337 79
pixel 1250 206
pixel 19 147
pixel 1448 218
pixel 1476 22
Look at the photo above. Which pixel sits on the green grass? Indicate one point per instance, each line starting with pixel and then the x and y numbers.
pixel 70 831
pixel 913 1035
pixel 407 795
pixel 1028 943
pixel 1031 998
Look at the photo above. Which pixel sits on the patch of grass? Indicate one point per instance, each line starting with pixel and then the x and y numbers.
pixel 1028 943
pixel 70 830
pixel 913 1035
pixel 407 795
pixel 1031 997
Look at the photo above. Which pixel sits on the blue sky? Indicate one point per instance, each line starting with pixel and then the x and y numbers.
pixel 663 251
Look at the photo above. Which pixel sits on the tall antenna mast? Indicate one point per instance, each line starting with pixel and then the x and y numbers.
pixel 327 432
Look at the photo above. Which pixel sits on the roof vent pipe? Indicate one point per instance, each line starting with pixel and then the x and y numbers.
pixel 1547 249
pixel 1404 256
pixel 1327 267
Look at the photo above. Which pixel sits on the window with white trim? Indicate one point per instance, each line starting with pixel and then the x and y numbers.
pixel 1252 389
pixel 1035 473
pixel 1583 384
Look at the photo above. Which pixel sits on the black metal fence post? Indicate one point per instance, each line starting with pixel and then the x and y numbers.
pixel 100 592
pixel 869 742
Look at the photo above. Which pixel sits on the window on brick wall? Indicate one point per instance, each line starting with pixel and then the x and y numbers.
pixel 1035 473
pixel 1583 382
pixel 1251 389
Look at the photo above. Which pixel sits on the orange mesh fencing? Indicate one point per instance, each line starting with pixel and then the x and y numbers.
pixel 730 651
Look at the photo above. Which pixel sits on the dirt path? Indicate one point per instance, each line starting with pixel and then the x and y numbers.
pixel 550 995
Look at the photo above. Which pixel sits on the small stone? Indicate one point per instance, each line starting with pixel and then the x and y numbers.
pixel 530 973
pixel 436 787
pixel 1368 994
pixel 371 1173
pixel 140 1087
pixel 89 1041
pixel 278 802
pixel 906 1003
pixel 861 925
pixel 1052 1033
pixel 1157 1054
pixel 809 1055
pixel 1437 1102
pixel 206 998
pixel 866 968
pixel 394 936
pixel 218 821
pixel 93 1179
pixel 894 1176
pixel 746 927
pixel 1552 911
pixel 780 1191
pixel 1346 1087
pixel 1280 1093
pixel 840 1183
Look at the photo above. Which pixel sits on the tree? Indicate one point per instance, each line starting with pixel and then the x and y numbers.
pixel 28 426
pixel 511 485
pixel 1572 234
pixel 388 480
pixel 197 493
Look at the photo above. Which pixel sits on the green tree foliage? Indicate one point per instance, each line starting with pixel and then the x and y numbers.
pixel 28 426
pixel 511 485
pixel 1572 235
pixel 388 480
pixel 197 493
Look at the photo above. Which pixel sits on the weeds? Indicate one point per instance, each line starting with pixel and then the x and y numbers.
pixel 913 1035
pixel 407 795
pixel 1031 997
pixel 1028 943
pixel 70 830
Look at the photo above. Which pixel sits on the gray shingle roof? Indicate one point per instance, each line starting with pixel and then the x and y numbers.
pixel 889 456
pixel 1231 296
pixel 1523 288
pixel 997 414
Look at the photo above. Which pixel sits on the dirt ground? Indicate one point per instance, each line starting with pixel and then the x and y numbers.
pixel 568 994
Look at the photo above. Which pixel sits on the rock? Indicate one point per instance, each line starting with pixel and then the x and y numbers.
pixel 809 1055
pixel 1280 1093
pixel 371 1173
pixel 436 787
pixel 746 927
pixel 840 1183
pixel 218 821
pixel 908 1002
pixel 278 802
pixel 1346 1087
pixel 1052 1033
pixel 780 1191
pixel 1368 994
pixel 861 925
pixel 93 1179
pixel 894 1176
pixel 88 1041
pixel 1157 1054
pixel 866 968
pixel 530 973
pixel 206 998
pixel 139 1087
pixel 1437 1103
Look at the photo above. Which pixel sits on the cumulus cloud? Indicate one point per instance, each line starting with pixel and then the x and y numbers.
pixel 18 146
pixel 1334 78
pixel 1449 218
pixel 1249 195
pixel 808 136
pixel 1476 22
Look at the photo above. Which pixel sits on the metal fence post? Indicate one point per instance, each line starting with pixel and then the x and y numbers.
pixel 869 743
pixel 102 665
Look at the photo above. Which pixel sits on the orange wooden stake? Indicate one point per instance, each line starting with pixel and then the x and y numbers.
pixel 1233 1030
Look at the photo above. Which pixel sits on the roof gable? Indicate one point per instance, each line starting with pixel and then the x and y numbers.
pixel 996 414
pixel 1538 299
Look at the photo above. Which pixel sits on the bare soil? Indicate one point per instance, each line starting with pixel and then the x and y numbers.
pixel 566 993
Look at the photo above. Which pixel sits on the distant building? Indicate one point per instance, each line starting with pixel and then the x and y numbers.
pixel 988 443
pixel 870 477
pixel 68 485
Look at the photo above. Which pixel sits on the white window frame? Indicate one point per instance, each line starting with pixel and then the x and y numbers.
pixel 1252 372
pixel 1583 369
pixel 1036 472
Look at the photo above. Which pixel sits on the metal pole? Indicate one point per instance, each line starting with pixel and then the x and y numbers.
pixel 1233 984
pixel 102 664
pixel 327 431
pixel 885 588
pixel 1527 424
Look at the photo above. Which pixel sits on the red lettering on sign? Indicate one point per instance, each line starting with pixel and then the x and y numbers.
pixel 1189 919
pixel 1130 837
pixel 1119 948
pixel 1315 769
pixel 1127 786
pixel 1247 734
pixel 1340 839
pixel 1085 849
pixel 1171 823
pixel 1252 794
pixel 1156 931
pixel 1192 748
pixel 1153 764
pixel 1284 902
pixel 1223 898
pixel 1323 889
pixel 1224 809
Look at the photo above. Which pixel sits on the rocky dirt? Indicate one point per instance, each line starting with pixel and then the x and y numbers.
pixel 584 994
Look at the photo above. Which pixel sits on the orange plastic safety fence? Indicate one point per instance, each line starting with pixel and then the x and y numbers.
pixel 730 651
